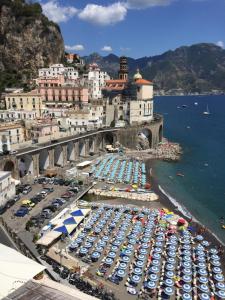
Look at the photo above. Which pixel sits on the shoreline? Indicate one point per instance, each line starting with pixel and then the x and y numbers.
pixel 169 202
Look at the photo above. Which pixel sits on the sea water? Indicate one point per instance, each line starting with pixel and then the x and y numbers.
pixel 202 189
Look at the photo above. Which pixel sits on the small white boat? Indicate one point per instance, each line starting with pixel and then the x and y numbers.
pixel 196 103
pixel 207 112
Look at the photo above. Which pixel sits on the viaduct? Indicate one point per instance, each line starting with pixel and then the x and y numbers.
pixel 40 157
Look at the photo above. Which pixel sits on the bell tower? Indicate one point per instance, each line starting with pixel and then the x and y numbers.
pixel 123 72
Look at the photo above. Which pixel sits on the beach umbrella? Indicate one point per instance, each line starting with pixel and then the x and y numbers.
pixel 215 257
pixel 169 282
pixel 154 269
pixel 202 272
pixel 213 251
pixel 187 271
pixel 172 254
pixel 97 230
pixel 128 252
pixel 155 263
pixel 187 278
pixel 153 277
pixel 170 274
pixel 83 251
pixel 220 294
pixel 159 244
pixel 151 285
pixel 203 279
pixel 143 251
pixel 105 238
pixel 145 246
pixel 95 255
pixel 186 296
pixel 220 285
pixel 204 296
pixel 99 249
pixel 122 265
pixel 170 267
pixel 216 263
pixel 120 273
pixel 91 239
pixel 187 258
pixel 78 240
pixel 137 271
pixel 125 259
pixel 181 221
pixel 116 243
pixel 186 247
pixel 132 241
pixel 186 264
pixel 112 254
pixel 186 252
pixel 139 263
pixel 205 243
pixel 187 288
pixel 168 291
pixel 158 250
pixel 102 243
pixel 204 288
pixel 136 279
pixel 142 257
pixel 217 270
pixel 108 261
pixel 219 277
pixel 114 248
pixel 87 245
pixel 199 238
pixel 201 265
pixel 201 258
pixel 73 246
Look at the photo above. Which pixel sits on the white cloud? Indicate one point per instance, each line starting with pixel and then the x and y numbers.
pixel 140 4
pixel 107 48
pixel 220 44
pixel 57 13
pixel 103 15
pixel 74 48
pixel 125 49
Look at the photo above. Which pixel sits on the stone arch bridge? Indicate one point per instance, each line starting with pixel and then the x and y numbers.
pixel 35 160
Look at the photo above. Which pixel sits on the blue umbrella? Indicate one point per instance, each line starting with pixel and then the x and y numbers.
pixel 156 256
pixel 201 265
pixel 168 291
pixel 130 247
pixel 203 279
pixel 217 270
pixel 199 238
pixel 220 285
pixel 204 296
pixel 83 250
pixel 158 250
pixel 170 274
pixel 120 273
pixel 202 272
pixel 105 238
pixel 142 257
pixel 87 245
pixel 187 258
pixel 136 278
pixel 151 285
pixel 155 262
pixel 116 243
pixel 172 254
pixel 114 248
pixel 95 254
pixel 101 243
pixel 108 261
pixel 132 241
pixel 125 259
pixel 91 239
pixel 219 277
pixel 143 251
pixel 153 277
pixel 128 252
pixel 123 265
pixel 186 247
pixel 187 288
pixel 137 271
pixel 186 296
pixel 220 294
pixel 169 282
pixel 112 254
pixel 187 271
pixel 170 267
pixel 145 246
pixel 171 260
pixel 187 278
pixel 204 288
pixel 215 257
pixel 154 269
pixel 213 251
pixel 139 263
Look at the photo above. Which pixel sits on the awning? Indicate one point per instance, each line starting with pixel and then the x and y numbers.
pixel 70 221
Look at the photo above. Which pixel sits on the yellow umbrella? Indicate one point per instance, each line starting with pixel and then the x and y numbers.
pixel 134 186
pixel 25 202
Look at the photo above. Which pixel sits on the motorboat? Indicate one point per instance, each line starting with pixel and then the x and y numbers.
pixel 207 112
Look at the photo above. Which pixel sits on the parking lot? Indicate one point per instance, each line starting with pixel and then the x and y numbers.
pixel 43 209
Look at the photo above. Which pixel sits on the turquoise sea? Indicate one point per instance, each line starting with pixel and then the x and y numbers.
pixel 202 137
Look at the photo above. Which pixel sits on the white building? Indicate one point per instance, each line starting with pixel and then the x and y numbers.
pixel 7 187
pixel 58 69
pixel 10 115
pixel 96 81
pixel 10 134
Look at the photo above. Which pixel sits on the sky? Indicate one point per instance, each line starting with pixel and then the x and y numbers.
pixel 136 28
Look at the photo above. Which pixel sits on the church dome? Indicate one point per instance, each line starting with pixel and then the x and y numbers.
pixel 137 75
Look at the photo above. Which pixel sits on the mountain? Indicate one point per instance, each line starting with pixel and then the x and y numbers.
pixel 28 41
pixel 196 68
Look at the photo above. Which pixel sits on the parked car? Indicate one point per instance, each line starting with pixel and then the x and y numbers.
pixel 21 212
pixel 13 152
pixel 48 190
pixel 27 190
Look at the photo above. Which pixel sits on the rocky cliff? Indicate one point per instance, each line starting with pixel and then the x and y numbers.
pixel 28 41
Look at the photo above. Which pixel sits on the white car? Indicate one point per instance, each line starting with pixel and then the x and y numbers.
pixel 13 152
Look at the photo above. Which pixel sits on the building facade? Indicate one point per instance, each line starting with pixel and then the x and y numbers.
pixel 31 101
pixel 59 69
pixel 7 187
pixel 11 134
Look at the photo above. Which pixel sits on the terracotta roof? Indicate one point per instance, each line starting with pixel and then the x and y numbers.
pixel 143 81
pixel 116 81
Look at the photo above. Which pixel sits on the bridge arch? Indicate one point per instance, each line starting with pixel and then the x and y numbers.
pixel 58 155
pixel 109 138
pixel 44 160
pixel 9 166
pixel 91 145
pixel 25 165
pixel 70 151
pixel 145 138
pixel 160 133
pixel 82 148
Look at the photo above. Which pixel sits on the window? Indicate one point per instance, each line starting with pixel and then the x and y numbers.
pixel 140 113
pixel 17 130
pixel 9 132
pixel 18 139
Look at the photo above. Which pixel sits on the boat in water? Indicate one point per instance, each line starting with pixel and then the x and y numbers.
pixel 207 112
pixel 184 106
pixel 180 174
pixel 196 103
